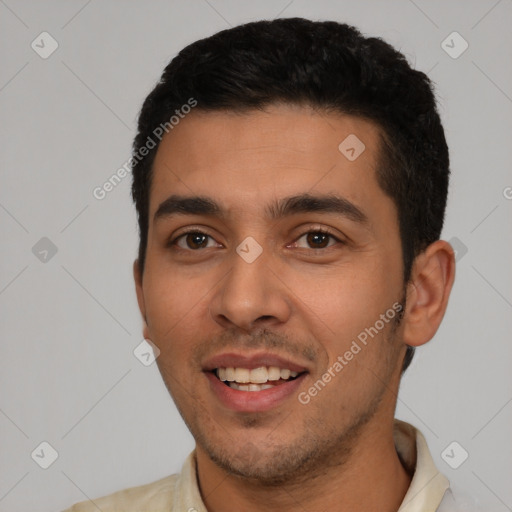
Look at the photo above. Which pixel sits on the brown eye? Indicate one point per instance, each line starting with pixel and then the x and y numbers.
pixel 196 240
pixel 318 239
pixel 192 240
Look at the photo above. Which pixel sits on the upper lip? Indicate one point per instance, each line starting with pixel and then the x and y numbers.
pixel 251 361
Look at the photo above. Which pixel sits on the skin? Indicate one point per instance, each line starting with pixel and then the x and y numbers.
pixel 298 299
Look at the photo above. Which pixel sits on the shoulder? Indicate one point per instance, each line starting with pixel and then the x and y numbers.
pixel 156 496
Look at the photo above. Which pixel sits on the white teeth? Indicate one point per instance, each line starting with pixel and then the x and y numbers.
pixel 274 373
pixel 256 376
pixel 250 387
pixel 285 374
pixel 242 375
pixel 230 374
pixel 259 375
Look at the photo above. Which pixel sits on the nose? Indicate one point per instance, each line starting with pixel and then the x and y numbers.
pixel 250 296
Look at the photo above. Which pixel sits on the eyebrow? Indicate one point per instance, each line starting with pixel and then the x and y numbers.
pixel 302 203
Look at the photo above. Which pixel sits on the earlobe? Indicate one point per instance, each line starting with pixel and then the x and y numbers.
pixel 428 291
pixel 137 276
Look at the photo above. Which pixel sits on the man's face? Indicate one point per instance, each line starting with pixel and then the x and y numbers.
pixel 256 285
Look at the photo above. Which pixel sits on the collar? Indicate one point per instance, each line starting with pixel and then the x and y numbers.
pixel 428 485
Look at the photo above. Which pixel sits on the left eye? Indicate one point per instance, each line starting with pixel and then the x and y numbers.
pixel 193 240
pixel 318 239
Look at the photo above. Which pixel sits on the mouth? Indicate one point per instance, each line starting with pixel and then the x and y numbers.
pixel 254 383
pixel 255 379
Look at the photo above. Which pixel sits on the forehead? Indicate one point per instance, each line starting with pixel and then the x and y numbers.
pixel 244 159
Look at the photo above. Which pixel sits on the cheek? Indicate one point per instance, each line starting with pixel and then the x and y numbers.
pixel 345 302
pixel 171 303
pixel 171 309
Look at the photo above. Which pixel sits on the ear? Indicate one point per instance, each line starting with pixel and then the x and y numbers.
pixel 140 297
pixel 428 291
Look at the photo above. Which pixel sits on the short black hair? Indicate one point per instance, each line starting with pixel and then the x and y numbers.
pixel 326 65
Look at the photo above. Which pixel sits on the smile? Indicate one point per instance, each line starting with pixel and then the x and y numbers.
pixel 256 379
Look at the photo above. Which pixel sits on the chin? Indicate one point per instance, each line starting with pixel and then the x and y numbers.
pixel 264 464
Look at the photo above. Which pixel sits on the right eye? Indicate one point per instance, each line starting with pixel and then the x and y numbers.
pixel 192 240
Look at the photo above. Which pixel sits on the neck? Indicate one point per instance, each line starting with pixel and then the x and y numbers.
pixel 372 478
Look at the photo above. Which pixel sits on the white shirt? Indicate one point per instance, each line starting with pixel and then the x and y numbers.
pixel 429 490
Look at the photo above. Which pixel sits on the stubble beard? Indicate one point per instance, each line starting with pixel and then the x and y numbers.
pixel 311 454
pixel 308 457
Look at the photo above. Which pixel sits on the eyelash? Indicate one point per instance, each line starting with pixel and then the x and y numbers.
pixel 323 231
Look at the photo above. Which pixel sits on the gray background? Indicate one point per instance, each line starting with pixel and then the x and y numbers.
pixel 70 323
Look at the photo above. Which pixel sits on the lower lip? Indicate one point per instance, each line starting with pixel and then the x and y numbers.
pixel 253 401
